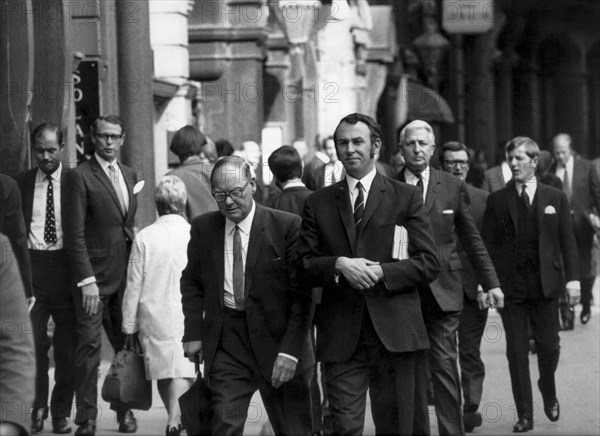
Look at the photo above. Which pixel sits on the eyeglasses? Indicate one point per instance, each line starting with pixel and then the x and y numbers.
pixel 106 136
pixel 456 163
pixel 234 193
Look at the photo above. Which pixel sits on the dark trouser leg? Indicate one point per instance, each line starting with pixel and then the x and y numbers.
pixel 515 320
pixel 586 292
pixel 545 331
pixel 112 318
pixel 39 321
pixel 472 371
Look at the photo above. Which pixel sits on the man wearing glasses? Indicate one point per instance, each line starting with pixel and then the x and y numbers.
pixel 246 316
pixel 98 239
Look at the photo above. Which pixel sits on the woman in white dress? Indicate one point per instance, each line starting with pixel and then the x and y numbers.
pixel 152 300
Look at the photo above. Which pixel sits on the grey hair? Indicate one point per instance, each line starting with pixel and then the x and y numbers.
pixel 416 124
pixel 170 196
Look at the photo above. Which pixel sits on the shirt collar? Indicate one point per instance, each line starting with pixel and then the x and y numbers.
pixel 531 186
pixel 104 163
pixel 366 181
pixel 245 225
pixel 40 176
pixel 293 184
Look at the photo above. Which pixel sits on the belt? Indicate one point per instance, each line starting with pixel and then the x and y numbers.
pixel 235 312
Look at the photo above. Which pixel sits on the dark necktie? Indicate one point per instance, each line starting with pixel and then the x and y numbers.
pixel 114 178
pixel 525 196
pixel 359 205
pixel 238 270
pixel 50 224
pixel 567 185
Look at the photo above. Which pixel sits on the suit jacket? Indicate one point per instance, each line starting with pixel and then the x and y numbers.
pixel 328 232
pixel 195 175
pixel 98 235
pixel 493 179
pixel 314 174
pixel 12 224
pixel 447 207
pixel 291 199
pixel 278 311
pixel 478 199
pixel 556 239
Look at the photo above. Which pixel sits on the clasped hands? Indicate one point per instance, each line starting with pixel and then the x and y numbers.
pixel 493 298
pixel 360 273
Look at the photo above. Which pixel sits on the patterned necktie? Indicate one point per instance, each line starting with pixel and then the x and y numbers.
pixel 114 178
pixel 525 196
pixel 238 270
pixel 50 224
pixel 359 205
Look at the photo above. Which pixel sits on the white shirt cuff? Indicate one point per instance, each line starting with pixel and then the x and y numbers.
pixel 288 356
pixel 86 281
pixel 574 284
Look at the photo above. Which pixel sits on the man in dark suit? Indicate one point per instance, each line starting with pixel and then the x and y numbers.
pixel 370 330
pixel 528 230
pixel 255 330
pixel 581 184
pixel 447 207
pixel 454 159
pixel 286 165
pixel 99 236
pixel 44 193
pixel 12 224
pixel 324 168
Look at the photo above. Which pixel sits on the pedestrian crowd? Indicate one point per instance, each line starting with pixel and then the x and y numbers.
pixel 345 276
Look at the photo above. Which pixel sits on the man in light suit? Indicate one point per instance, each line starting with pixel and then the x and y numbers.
pixel 529 233
pixel 454 159
pixel 447 207
pixel 325 168
pixel 45 202
pixel 254 334
pixel 370 330
pixel 581 184
pixel 99 234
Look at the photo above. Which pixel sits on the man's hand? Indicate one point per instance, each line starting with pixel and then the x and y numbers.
pixel 495 298
pixel 482 300
pixel 283 371
pixel 358 272
pixel 574 295
pixel 191 349
pixel 91 298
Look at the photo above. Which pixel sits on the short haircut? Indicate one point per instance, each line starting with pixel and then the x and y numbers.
pixel 564 136
pixel 355 118
pixel 453 146
pixel 224 147
pixel 46 127
pixel 110 119
pixel 238 162
pixel 285 163
pixel 187 141
pixel 416 124
pixel 531 148
pixel 170 196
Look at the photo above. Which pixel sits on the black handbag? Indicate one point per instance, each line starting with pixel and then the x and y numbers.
pixel 195 405
pixel 126 384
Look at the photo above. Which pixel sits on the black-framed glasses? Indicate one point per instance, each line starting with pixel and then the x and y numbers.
pixel 456 163
pixel 107 136
pixel 234 193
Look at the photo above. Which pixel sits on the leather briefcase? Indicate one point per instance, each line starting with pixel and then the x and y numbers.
pixel 195 405
pixel 126 383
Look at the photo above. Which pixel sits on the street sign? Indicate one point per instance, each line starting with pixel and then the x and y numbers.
pixel 467 16
pixel 87 106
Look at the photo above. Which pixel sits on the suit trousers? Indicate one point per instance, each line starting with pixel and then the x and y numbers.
pixel 472 371
pixel 235 376
pixel 89 347
pixel 52 288
pixel 390 379
pixel 541 315
pixel 442 330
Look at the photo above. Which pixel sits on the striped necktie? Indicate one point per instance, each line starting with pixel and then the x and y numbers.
pixel 359 205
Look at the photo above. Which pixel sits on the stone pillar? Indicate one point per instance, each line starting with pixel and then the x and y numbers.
pixel 528 112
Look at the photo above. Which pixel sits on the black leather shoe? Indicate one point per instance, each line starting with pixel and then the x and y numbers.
pixel 567 325
pixel 61 426
pixel 37 420
pixel 552 410
pixel 472 420
pixel 173 431
pixel 523 425
pixel 127 422
pixel 87 429
pixel 585 315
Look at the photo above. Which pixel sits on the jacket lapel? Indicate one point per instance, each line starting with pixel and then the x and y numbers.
pixel 433 187
pixel 217 241
pixel 130 181
pixel 103 178
pixel 511 203
pixel 541 201
pixel 257 234
pixel 373 201
pixel 27 199
pixel 342 199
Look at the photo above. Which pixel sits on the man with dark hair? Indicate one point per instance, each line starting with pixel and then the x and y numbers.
pixel 454 159
pixel 286 165
pixel 224 147
pixel 245 314
pixel 528 231
pixel 44 191
pixel 98 238
pixel 197 157
pixel 446 204
pixel 370 327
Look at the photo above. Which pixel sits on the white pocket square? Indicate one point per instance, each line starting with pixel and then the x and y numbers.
pixel 138 187
pixel 549 210
pixel 447 212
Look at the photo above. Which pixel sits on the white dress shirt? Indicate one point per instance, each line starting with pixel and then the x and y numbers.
pixel 412 179
pixel 560 171
pixel 366 182
pixel 35 240
pixel 105 164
